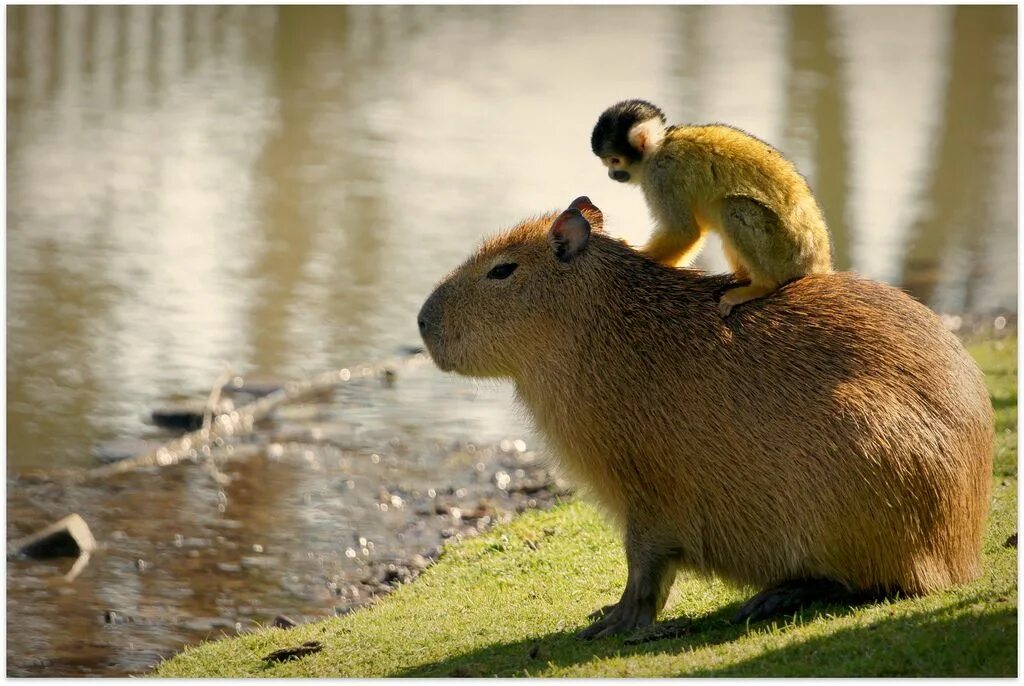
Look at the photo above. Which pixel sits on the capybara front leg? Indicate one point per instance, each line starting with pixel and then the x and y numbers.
pixel 651 571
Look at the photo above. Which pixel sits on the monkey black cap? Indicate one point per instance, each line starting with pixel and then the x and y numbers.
pixel 611 132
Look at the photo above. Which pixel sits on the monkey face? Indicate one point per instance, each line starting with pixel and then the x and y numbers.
pixel 619 168
pixel 625 137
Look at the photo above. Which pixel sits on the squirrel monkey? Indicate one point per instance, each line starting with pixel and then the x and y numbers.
pixel 716 178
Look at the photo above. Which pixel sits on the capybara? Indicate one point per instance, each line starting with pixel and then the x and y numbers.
pixel 832 435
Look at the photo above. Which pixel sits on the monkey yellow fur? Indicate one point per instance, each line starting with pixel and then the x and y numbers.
pixel 716 178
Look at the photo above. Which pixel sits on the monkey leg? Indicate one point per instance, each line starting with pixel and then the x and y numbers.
pixel 651 571
pixel 739 268
pixel 791 596
pixel 737 296
pixel 756 240
pixel 675 245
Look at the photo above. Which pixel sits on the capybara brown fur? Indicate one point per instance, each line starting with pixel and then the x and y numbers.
pixel 832 433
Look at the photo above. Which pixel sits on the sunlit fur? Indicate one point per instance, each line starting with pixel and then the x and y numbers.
pixel 833 429
pixel 717 178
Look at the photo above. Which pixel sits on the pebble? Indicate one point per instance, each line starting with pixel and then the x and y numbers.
pixel 68 537
pixel 283 622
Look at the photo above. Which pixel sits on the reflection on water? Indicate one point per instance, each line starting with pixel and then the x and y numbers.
pixel 279 188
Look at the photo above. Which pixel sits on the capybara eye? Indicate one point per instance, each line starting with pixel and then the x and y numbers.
pixel 502 271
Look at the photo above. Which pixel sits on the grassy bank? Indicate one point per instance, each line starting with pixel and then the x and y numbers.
pixel 508 603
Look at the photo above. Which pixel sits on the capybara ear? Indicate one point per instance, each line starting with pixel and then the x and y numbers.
pixel 569 234
pixel 590 212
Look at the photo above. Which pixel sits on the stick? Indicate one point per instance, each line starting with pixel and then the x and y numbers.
pixel 196 446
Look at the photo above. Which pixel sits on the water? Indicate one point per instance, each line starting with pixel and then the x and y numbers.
pixel 277 190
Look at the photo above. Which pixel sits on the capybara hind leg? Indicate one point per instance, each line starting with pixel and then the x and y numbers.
pixel 791 596
pixel 651 571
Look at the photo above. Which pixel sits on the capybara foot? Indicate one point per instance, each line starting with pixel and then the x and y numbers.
pixel 791 596
pixel 620 619
pixel 601 612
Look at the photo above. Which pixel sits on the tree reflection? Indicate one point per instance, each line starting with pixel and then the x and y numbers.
pixel 957 198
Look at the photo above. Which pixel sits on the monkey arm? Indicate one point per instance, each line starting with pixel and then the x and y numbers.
pixel 670 246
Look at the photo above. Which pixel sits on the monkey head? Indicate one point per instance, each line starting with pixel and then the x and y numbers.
pixel 625 137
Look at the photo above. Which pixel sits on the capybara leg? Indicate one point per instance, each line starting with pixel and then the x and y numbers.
pixel 737 296
pixel 791 596
pixel 651 571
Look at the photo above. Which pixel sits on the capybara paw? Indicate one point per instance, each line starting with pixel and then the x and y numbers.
pixel 764 605
pixel 791 596
pixel 620 620
pixel 601 612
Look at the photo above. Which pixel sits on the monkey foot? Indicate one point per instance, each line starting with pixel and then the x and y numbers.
pixel 737 296
pixel 790 596
pixel 620 619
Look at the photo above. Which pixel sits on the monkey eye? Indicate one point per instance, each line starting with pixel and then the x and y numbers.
pixel 502 271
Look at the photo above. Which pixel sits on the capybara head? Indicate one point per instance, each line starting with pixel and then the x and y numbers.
pixel 479 320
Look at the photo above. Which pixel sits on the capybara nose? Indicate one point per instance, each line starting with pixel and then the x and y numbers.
pixel 427 318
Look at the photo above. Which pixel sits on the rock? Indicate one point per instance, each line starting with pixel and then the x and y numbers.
pixel 70 537
pixel 394 575
pixel 187 415
pixel 115 617
pixel 1011 542
pixel 256 387
pixel 257 562
pixel 282 622
pixel 411 350
pixel 286 654
pixel 122 449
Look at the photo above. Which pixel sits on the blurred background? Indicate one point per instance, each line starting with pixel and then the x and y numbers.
pixel 278 189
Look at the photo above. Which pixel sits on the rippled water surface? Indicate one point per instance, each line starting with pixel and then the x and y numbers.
pixel 277 190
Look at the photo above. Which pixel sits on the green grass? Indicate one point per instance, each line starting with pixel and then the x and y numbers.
pixel 508 603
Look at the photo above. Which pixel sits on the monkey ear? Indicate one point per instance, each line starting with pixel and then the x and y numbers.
pixel 569 234
pixel 589 211
pixel 646 136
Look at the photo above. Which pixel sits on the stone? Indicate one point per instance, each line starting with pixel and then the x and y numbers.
pixel 257 387
pixel 286 654
pixel 69 537
pixel 187 416
pixel 122 449
pixel 283 622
